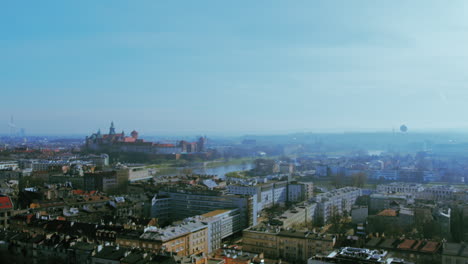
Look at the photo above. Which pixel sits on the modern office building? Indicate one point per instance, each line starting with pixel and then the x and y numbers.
pixel 184 203
pixel 221 224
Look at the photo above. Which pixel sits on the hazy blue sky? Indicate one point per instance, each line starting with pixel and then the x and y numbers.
pixel 233 66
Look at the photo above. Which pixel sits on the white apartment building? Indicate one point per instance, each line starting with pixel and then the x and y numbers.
pixel 336 202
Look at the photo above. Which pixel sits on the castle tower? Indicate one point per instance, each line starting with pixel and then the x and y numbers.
pixel 112 129
pixel 134 134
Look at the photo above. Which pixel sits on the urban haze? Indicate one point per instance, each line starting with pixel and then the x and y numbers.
pixel 233 132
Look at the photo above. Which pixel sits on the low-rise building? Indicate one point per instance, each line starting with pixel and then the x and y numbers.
pixel 9 165
pixel 189 237
pixel 350 255
pixel 6 211
pixel 391 221
pixel 382 201
pixel 418 251
pixel 290 245
pixel 108 255
pixel 359 214
pixel 454 253
pixel 300 215
pixel 398 187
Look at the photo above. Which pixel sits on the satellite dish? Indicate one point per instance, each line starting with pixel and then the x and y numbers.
pixel 403 128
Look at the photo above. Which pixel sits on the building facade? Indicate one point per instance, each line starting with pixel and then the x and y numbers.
pixel 186 203
pixel 335 202
pixel 289 245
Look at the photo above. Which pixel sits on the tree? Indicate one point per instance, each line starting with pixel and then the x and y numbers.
pixel 338 226
pixel 359 179
pixel 187 171
pixel 457 224
pixel 28 181
pixel 337 180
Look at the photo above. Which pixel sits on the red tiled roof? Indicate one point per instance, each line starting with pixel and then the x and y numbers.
pixel 407 244
pixel 431 247
pixel 166 145
pixel 388 212
pixel 78 192
pixel 5 202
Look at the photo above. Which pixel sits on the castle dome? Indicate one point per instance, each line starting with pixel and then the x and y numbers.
pixel 134 134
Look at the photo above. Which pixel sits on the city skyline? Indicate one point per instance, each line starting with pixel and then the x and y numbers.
pixel 215 68
pixel 247 132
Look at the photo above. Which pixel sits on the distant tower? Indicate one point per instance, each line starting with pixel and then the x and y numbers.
pixel 112 129
pixel 12 127
pixel 201 144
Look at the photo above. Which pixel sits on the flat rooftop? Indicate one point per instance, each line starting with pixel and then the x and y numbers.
pixel 215 213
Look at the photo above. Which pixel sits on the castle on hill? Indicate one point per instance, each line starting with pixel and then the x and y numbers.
pixel 119 142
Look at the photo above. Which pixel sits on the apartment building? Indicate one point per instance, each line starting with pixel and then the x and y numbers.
pixel 274 193
pixel 419 191
pixel 398 187
pixel 337 201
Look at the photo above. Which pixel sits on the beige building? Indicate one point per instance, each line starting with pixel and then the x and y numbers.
pixel 290 245
pixel 187 238
pixel 197 238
